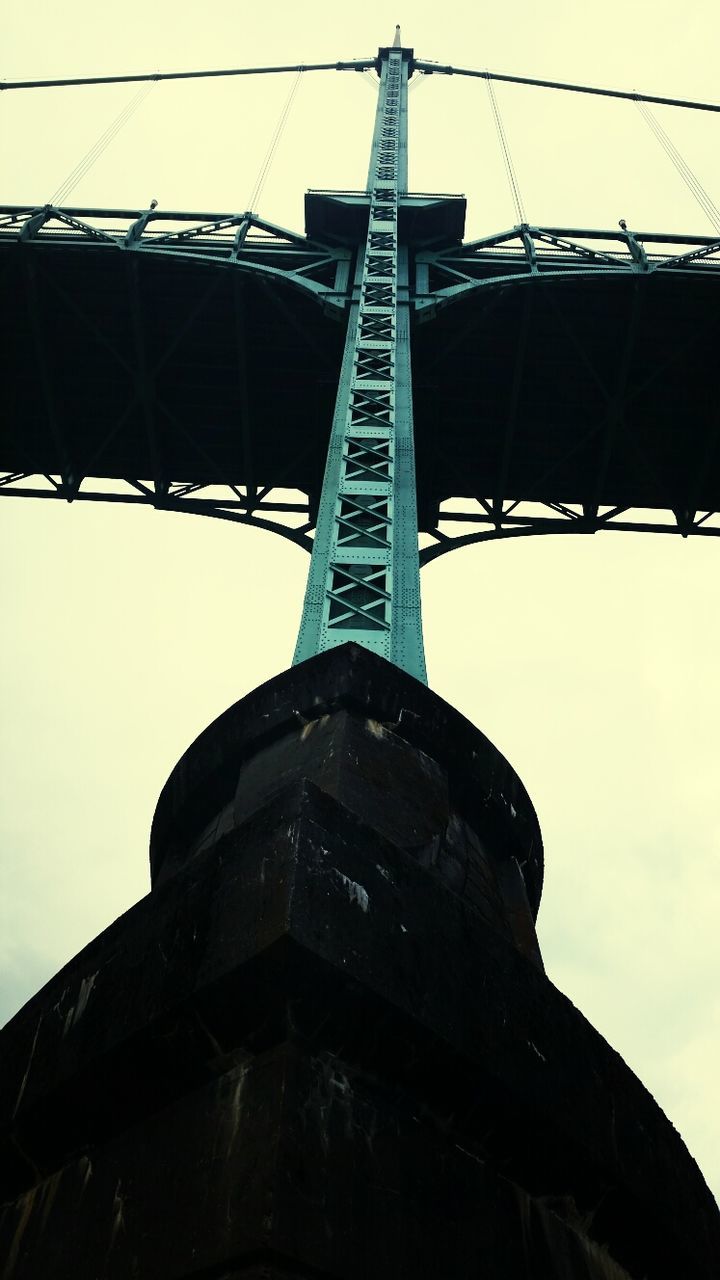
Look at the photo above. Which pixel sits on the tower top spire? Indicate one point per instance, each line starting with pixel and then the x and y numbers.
pixel 397 42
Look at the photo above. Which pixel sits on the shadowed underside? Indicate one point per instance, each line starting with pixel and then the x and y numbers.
pixel 538 380
pixel 584 391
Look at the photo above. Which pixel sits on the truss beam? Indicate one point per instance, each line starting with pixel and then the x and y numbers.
pixel 557 519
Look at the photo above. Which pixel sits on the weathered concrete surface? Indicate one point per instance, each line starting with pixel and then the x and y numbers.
pixel 481 785
pixel 324 1045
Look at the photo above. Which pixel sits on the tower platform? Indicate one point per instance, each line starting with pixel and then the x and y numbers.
pixel 324 1045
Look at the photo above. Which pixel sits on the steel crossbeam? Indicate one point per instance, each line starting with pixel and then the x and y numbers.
pixel 364 581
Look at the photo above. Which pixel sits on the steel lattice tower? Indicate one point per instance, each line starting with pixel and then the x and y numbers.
pixel 324 1044
pixel 364 581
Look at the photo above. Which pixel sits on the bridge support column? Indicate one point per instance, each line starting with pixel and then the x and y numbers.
pixel 324 1045
pixel 364 580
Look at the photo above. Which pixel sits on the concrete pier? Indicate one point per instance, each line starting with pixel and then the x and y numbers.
pixel 324 1045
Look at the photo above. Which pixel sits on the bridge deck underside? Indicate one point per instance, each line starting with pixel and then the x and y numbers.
pixel 597 391
pixel 594 390
pixel 157 370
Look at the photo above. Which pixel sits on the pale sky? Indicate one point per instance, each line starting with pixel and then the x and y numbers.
pixel 590 662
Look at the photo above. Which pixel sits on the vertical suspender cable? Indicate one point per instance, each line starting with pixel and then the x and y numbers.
pixel 270 153
pixel 692 182
pixel 509 167
pixel 96 150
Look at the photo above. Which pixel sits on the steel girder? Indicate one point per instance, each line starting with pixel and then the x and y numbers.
pixel 239 241
pixel 490 270
pixel 527 252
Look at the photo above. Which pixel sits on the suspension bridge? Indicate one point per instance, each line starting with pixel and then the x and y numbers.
pixel 288 1058
pixel 376 389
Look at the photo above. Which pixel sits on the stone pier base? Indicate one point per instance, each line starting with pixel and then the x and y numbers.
pixel 324 1046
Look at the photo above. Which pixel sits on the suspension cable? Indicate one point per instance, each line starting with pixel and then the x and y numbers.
pixel 692 182
pixel 88 160
pixel 361 64
pixel 421 64
pixel 357 64
pixel 264 170
pixel 509 167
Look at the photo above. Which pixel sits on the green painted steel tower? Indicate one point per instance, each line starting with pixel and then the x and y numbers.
pixel 550 369
pixel 325 1045
pixel 364 579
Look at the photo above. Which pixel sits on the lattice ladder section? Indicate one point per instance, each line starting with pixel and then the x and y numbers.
pixel 364 581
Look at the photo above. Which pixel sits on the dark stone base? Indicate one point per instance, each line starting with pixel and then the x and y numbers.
pixel 324 1045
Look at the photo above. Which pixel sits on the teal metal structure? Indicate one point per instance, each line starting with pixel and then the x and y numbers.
pixel 364 579
pixel 197 362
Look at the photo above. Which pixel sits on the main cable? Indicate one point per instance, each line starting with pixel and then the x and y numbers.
pixel 356 64
pixel 362 64
pixel 421 64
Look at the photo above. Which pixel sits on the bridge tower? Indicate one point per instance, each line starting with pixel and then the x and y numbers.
pixel 364 581
pixel 324 1045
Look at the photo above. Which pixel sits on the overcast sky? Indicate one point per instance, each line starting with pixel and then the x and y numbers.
pixel 591 662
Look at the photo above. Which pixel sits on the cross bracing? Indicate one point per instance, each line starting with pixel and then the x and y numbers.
pixel 241 240
pixel 364 571
pixel 538 380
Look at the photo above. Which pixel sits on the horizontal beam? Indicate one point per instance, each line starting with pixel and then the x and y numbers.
pixel 536 526
pixel 648 237
pixel 434 68
pixel 246 512
pixel 169 502
pixel 234 511
pixel 13 212
pixel 360 64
